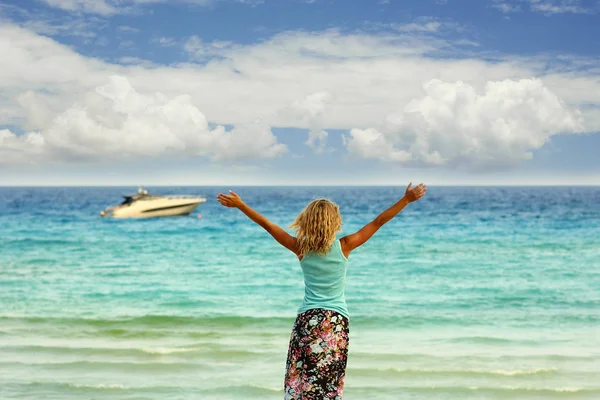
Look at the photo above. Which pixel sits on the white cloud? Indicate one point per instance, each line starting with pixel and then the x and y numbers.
pixel 164 41
pixel 199 50
pixel 330 45
pixel 252 3
pixel 455 126
pixel 115 121
pixel 101 7
pixel 506 7
pixel 112 7
pixel 128 29
pixel 431 26
pixel 74 27
pixel 317 139
pixel 371 143
pixel 421 27
pixel 20 149
pixel 548 7
pixel 560 7
pixel 310 112
pixel 366 77
pixel 48 24
pixel 136 61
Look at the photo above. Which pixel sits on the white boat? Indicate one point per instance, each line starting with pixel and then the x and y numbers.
pixel 145 205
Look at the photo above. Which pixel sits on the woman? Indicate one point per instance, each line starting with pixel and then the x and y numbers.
pixel 317 355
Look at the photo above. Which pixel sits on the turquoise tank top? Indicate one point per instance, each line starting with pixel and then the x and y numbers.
pixel 325 280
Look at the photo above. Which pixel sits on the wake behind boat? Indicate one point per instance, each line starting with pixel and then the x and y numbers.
pixel 145 205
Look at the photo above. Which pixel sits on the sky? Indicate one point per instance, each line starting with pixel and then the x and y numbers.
pixel 299 92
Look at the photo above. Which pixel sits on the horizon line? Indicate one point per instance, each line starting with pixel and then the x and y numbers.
pixel 302 185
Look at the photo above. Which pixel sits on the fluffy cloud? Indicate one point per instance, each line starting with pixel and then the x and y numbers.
pixel 199 50
pixel 310 112
pixel 101 7
pixel 453 125
pixel 111 7
pixel 128 29
pixel 548 7
pixel 559 7
pixel 427 26
pixel 316 81
pixel 48 23
pixel 317 139
pixel 164 41
pixel 115 121
pixel 506 7
pixel 20 149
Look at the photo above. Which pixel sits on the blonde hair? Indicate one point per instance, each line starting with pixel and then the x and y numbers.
pixel 316 226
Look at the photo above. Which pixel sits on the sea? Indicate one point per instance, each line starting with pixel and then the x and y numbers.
pixel 470 293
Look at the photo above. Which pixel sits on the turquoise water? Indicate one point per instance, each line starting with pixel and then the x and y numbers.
pixel 472 293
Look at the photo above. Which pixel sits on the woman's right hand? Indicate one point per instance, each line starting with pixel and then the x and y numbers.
pixel 414 194
pixel 232 200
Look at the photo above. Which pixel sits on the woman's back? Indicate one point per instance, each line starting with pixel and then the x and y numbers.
pixel 317 355
pixel 325 280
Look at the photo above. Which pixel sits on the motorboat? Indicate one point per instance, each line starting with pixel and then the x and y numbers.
pixel 145 205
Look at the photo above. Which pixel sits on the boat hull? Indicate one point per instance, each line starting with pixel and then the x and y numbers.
pixel 153 209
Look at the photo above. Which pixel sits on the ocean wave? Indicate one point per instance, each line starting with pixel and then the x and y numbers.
pixel 101 388
pixel 224 322
pixel 84 365
pixel 488 340
pixel 412 321
pixel 515 392
pixel 128 333
pixel 359 391
pixel 448 372
pixel 206 351
pixel 40 241
pixel 531 371
pixel 144 334
pixel 267 388
pixel 166 350
pixel 434 358
pixel 244 391
pixel 157 321
pixel 97 386
pixel 536 390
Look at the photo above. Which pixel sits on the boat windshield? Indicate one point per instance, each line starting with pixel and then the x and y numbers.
pixel 127 200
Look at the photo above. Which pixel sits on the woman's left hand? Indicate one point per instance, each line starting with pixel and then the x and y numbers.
pixel 232 200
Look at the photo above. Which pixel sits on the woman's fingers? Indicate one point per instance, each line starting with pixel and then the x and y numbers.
pixel 232 196
pixel 419 190
pixel 224 199
pixel 226 204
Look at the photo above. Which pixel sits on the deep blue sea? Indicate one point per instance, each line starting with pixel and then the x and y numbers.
pixel 471 293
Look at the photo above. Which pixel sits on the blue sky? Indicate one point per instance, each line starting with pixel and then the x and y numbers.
pixel 152 92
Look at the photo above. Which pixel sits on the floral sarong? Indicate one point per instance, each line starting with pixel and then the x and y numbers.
pixel 317 356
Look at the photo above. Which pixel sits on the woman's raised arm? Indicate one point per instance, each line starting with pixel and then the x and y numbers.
pixel 355 240
pixel 233 200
